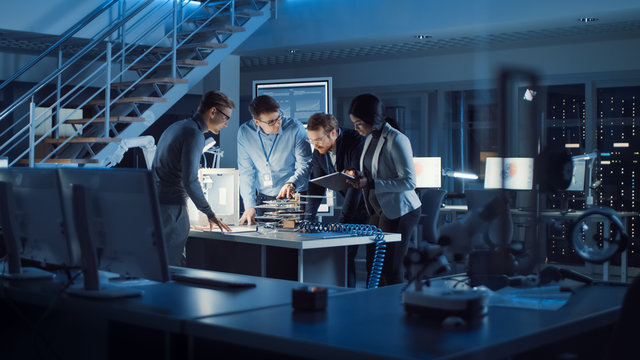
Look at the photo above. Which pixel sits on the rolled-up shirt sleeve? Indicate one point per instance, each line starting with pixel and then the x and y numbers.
pixel 247 172
pixel 303 154
pixel 191 152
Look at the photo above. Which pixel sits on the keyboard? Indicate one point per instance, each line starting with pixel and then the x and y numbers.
pixel 182 275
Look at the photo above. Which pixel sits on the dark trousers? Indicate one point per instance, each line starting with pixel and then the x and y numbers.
pixel 393 269
pixel 175 227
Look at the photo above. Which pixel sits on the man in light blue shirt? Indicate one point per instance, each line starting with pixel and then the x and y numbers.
pixel 273 156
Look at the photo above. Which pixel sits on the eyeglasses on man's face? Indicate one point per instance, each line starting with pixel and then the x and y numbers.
pixel 226 117
pixel 315 141
pixel 272 121
pixel 319 140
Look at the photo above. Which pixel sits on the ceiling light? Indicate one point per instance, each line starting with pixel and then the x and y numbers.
pixel 588 19
pixel 292 51
pixel 422 37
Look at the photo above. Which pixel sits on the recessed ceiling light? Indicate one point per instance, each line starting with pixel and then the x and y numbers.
pixel 292 51
pixel 588 19
pixel 421 37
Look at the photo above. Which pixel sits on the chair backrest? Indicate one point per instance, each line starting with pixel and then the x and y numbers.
pixel 476 201
pixel 431 204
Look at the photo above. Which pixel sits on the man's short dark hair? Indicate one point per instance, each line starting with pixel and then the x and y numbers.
pixel 216 99
pixel 263 104
pixel 318 121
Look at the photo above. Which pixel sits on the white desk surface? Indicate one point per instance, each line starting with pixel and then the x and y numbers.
pixel 289 239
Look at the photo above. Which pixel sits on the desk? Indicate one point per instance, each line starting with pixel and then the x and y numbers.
pixel 150 326
pixel 372 325
pixel 283 254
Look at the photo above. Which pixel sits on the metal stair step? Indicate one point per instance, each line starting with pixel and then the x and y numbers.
pixel 185 62
pixel 96 140
pixel 113 119
pixel 201 45
pixel 163 80
pixel 139 99
pixel 241 3
pixel 214 29
pixel 60 161
pixel 248 12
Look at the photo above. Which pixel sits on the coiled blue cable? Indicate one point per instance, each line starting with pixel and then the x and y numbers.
pixel 361 230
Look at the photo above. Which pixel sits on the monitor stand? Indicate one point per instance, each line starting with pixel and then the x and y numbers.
pixel 91 286
pixel 24 273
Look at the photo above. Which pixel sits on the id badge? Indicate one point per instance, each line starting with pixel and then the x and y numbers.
pixel 267 180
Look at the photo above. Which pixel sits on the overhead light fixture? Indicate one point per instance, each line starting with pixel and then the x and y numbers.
pixel 588 19
pixel 292 51
pixel 529 95
pixel 422 37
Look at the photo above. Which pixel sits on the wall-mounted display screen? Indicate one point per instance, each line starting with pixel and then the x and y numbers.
pixel 298 98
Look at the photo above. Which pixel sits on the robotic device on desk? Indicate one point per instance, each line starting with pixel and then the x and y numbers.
pixel 438 303
pixel 599 224
pixel 283 213
pixel 481 228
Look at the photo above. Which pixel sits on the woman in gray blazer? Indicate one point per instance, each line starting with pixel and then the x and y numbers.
pixel 387 178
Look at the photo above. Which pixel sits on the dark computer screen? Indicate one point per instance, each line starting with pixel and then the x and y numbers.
pixel 117 209
pixel 34 219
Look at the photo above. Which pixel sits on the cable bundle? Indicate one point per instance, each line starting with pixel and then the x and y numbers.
pixel 361 230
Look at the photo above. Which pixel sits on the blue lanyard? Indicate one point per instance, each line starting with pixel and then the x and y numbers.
pixel 272 146
pixel 326 157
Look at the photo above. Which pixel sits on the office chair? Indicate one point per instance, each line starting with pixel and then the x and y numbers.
pixel 477 200
pixel 431 204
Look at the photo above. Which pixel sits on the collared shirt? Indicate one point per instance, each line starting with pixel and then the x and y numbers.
pixel 332 156
pixel 176 162
pixel 288 161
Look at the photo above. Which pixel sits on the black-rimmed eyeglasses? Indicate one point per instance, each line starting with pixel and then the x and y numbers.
pixel 272 122
pixel 226 117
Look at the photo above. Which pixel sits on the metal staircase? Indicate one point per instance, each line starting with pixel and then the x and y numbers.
pixel 126 76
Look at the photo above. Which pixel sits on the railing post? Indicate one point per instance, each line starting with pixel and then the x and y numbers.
pixel 107 92
pixel 174 39
pixel 232 11
pixel 56 132
pixel 121 9
pixel 32 132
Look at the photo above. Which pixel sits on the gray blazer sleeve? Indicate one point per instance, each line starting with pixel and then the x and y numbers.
pixel 399 156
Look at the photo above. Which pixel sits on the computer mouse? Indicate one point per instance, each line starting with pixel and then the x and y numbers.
pixel 453 322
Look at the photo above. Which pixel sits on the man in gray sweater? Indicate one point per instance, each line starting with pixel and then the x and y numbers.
pixel 175 171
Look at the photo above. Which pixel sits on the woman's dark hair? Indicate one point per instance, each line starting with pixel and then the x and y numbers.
pixel 369 109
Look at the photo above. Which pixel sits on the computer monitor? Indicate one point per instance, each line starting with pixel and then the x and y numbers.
pixel 220 187
pixel 116 218
pixel 428 172
pixel 578 174
pixel 33 222
pixel 517 173
pixel 298 98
